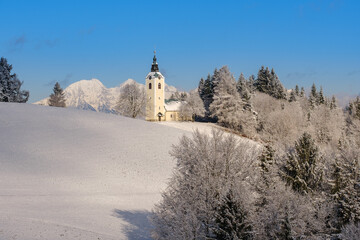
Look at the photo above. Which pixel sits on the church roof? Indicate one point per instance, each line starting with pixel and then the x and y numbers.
pixel 173 106
pixel 154 66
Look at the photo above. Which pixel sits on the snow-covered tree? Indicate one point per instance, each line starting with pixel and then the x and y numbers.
pixel 302 92
pixel 301 170
pixel 227 105
pixel 231 219
pixel 131 101
pixel 193 106
pixel 10 85
pixel 57 98
pixel 292 96
pixel 350 232
pixel 346 184
pixel 313 98
pixel 297 91
pixel 320 97
pixel 207 168
pixel 269 83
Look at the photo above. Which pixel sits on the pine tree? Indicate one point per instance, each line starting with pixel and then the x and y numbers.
pixel 333 103
pixel 57 99
pixel 269 83
pixel 320 97
pixel 292 96
pixel 346 185
pixel 10 85
pixel 297 91
pixel 242 88
pixel 301 170
pixel 302 92
pixel 227 105
pixel 313 98
pixel 231 219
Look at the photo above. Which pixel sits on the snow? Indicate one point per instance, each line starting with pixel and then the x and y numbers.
pixel 93 95
pixel 173 106
pixel 72 174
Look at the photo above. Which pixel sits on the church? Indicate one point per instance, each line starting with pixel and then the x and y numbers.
pixel 156 108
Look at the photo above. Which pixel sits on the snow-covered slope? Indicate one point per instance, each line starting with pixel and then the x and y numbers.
pixel 93 95
pixel 70 174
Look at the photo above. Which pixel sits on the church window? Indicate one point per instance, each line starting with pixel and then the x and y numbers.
pixel 149 85
pixel 159 86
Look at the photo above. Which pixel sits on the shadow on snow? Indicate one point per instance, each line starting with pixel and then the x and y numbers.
pixel 140 226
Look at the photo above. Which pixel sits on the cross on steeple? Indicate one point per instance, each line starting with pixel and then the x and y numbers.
pixel 154 66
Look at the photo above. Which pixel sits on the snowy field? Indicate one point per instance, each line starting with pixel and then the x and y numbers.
pixel 73 174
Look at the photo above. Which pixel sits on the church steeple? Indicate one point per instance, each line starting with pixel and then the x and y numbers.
pixel 154 66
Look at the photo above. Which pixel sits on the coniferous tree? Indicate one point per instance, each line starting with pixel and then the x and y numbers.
pixel 242 88
pixel 269 83
pixel 231 220
pixel 320 97
pixel 302 92
pixel 297 91
pixel 292 96
pixel 300 170
pixel 333 103
pixel 346 185
pixel 313 98
pixel 10 85
pixel 57 99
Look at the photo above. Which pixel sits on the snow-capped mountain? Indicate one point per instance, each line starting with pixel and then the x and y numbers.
pixel 93 95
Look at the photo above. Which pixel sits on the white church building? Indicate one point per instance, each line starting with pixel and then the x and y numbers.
pixel 156 108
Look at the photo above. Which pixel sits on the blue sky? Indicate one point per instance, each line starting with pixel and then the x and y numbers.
pixel 304 41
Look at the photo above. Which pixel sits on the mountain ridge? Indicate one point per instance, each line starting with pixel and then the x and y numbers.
pixel 93 95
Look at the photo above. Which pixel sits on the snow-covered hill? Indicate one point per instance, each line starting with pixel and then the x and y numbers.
pixel 70 174
pixel 93 95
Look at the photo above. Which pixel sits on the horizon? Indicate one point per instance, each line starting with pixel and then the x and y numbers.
pixel 307 42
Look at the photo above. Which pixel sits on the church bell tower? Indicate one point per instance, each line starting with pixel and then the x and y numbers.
pixel 155 94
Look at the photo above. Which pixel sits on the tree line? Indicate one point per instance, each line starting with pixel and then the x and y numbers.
pixel 298 179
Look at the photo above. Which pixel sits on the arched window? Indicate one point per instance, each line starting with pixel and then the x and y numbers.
pixel 149 85
pixel 159 86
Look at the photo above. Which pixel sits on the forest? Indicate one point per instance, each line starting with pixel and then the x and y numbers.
pixel 298 176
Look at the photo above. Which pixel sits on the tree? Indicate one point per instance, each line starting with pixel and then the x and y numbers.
pixel 313 98
pixel 300 170
pixel 333 104
pixel 207 168
pixel 10 85
pixel 57 99
pixel 192 107
pixel 228 107
pixel 302 92
pixel 269 83
pixel 231 219
pixel 320 97
pixel 292 96
pixel 297 91
pixel 131 101
pixel 346 184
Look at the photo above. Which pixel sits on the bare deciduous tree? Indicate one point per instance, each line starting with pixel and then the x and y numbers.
pixel 131 101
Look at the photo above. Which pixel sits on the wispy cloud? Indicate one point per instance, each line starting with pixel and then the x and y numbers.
pixel 62 82
pixel 17 43
pixel 355 72
pixel 47 43
pixel 88 31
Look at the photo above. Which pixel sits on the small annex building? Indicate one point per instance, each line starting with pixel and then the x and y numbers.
pixel 156 108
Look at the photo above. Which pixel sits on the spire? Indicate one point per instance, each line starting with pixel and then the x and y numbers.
pixel 154 66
